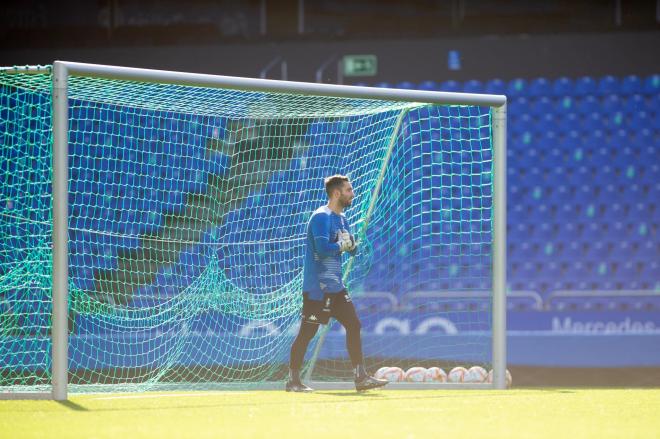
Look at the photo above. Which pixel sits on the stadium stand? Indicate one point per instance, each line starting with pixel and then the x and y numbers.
pixel 583 189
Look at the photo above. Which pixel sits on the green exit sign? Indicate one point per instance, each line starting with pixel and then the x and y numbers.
pixel 360 65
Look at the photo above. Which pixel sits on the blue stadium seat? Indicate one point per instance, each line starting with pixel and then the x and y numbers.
pixel 548 138
pixel 594 232
pixel 562 87
pixel 591 140
pixel 640 120
pixel 571 140
pixel 612 103
pixel 584 86
pixel 539 87
pixel 519 106
pixel 564 104
pixel 429 85
pixel 608 85
pixel 450 86
pixel 636 103
pixel 473 86
pixel 587 104
pixel 568 122
pixel 631 84
pixel 173 201
pixel 517 87
pixel 593 122
pixel 602 155
pixel 375 302
pixel 652 85
pixel 383 85
pixel 524 123
pixel 406 85
pixel 83 276
pixel 495 86
pixel 542 105
pixel 219 164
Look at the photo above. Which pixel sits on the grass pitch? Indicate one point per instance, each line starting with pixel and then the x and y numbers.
pixel 517 413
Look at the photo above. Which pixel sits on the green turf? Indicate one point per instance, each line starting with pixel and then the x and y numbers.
pixel 517 413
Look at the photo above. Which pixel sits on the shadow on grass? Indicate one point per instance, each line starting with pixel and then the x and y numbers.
pixel 351 394
pixel 342 397
pixel 73 406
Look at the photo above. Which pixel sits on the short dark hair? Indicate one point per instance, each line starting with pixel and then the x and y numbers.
pixel 334 182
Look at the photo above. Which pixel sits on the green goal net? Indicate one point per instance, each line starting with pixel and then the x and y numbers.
pixel 187 215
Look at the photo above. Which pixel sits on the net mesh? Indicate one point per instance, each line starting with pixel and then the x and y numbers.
pixel 187 215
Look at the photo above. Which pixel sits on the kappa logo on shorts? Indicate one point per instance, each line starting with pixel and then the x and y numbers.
pixel 313 318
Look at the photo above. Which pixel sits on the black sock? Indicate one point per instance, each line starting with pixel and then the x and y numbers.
pixel 360 371
pixel 299 346
pixel 354 346
pixel 294 375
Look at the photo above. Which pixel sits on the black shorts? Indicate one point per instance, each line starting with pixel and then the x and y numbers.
pixel 337 305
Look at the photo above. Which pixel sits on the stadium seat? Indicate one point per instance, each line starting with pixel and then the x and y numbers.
pixel 406 85
pixel 219 164
pixel 519 106
pixel 631 84
pixel 564 104
pixel 652 85
pixel 592 122
pixel 587 105
pixel 473 86
pixel 584 86
pixel 611 104
pixel 525 122
pixel 429 85
pixel 375 302
pixel 562 87
pixel 571 140
pixel 548 138
pixel 639 120
pixel 539 87
pixel 517 87
pixel 450 86
pixel 570 121
pixel 608 85
pixel 541 106
pixel 495 86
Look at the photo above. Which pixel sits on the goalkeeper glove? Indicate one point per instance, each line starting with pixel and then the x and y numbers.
pixel 346 242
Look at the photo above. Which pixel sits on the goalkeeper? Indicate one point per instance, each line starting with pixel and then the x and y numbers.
pixel 324 294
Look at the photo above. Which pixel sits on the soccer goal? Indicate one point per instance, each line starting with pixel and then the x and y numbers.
pixel 152 228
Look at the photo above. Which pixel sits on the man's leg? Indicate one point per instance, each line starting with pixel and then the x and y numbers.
pixel 298 349
pixel 344 311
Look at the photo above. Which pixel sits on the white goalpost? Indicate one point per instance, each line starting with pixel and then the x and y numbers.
pixel 167 256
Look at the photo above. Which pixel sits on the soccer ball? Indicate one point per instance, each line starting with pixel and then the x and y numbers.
pixel 415 374
pixel 509 380
pixel 435 374
pixel 379 373
pixel 457 374
pixel 475 374
pixel 393 374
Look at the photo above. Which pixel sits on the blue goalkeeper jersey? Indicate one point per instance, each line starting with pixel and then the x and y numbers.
pixel 322 255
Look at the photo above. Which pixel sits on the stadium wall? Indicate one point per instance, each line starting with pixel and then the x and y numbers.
pixel 484 57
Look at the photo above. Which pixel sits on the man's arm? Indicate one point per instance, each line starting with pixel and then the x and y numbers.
pixel 320 225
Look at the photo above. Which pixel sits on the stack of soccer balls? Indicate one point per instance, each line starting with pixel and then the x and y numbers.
pixel 459 374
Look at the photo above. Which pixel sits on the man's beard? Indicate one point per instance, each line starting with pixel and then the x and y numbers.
pixel 346 202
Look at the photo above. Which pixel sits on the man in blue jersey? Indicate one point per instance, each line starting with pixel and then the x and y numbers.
pixel 324 293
